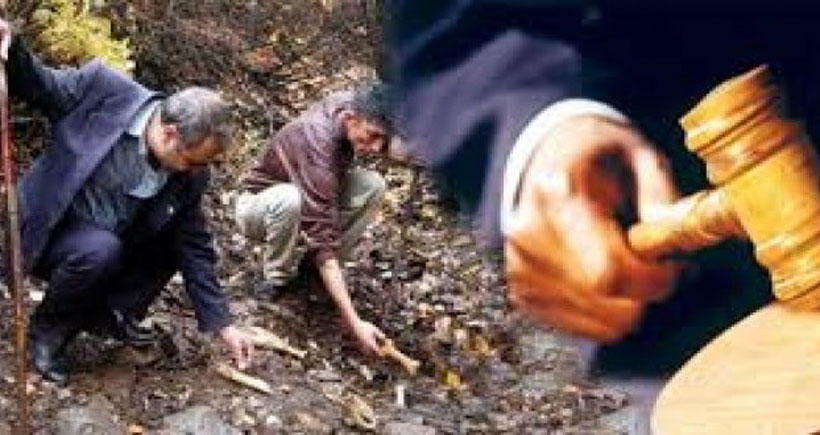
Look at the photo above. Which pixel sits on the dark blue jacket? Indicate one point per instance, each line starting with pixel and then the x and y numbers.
pixel 471 73
pixel 89 109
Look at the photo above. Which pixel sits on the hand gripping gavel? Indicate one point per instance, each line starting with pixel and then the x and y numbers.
pixel 767 176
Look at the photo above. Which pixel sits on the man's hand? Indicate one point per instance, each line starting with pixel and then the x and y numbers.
pixel 366 333
pixel 240 344
pixel 368 336
pixel 568 262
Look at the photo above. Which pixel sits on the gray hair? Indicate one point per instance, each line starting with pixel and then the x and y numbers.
pixel 198 113
pixel 374 102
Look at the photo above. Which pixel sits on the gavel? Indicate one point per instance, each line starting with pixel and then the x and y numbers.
pixel 766 177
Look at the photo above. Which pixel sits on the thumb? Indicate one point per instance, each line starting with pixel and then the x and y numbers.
pixel 380 335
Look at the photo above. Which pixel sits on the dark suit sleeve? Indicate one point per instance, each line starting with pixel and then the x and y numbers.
pixel 54 91
pixel 469 76
pixel 194 245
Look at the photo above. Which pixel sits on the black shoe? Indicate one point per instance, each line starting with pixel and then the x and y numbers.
pixel 49 361
pixel 130 332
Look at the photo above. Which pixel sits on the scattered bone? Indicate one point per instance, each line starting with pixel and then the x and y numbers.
pixel 249 381
pixel 263 338
pixel 359 413
pixel 410 365
pixel 400 396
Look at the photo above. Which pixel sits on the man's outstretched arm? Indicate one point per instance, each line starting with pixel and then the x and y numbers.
pixel 367 334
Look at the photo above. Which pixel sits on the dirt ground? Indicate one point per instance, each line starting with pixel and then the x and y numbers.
pixel 417 272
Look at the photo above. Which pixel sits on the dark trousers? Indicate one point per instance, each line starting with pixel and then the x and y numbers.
pixel 91 271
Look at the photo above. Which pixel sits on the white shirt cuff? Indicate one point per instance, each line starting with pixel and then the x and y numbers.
pixel 527 142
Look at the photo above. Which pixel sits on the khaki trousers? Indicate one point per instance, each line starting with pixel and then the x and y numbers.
pixel 271 217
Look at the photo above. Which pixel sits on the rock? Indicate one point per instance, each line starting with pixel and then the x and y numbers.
pixel 325 375
pixel 537 346
pixel 312 424
pixel 63 394
pixel 254 403
pixel 242 418
pixel 535 386
pixel 272 423
pixel 443 329
pixel 502 423
pixel 98 418
pixel 627 420
pixel 197 420
pixel 403 428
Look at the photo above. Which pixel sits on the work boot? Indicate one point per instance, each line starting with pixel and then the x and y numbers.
pixel 49 361
pixel 113 323
pixel 127 330
pixel 48 338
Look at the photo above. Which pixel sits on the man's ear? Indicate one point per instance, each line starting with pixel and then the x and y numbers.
pixel 170 134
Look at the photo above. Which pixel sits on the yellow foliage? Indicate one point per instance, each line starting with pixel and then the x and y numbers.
pixel 452 379
pixel 71 34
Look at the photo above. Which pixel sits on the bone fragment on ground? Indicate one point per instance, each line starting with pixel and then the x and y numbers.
pixel 268 340
pixel 410 365
pixel 242 378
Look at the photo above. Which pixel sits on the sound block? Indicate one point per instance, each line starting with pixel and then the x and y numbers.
pixel 761 376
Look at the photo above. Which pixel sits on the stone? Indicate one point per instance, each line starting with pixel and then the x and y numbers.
pixel 196 420
pixel 627 420
pixel 273 422
pixel 538 346
pixel 404 428
pixel 97 418
pixel 535 386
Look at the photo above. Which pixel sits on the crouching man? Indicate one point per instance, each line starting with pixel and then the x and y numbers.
pixel 305 196
pixel 111 209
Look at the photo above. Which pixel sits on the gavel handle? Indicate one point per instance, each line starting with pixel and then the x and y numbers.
pixel 694 222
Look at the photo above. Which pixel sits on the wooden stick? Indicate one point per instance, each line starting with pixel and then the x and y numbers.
pixel 410 365
pixel 266 339
pixel 14 264
pixel 235 375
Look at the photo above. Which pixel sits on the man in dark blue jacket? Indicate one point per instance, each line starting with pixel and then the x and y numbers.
pixel 537 101
pixel 112 207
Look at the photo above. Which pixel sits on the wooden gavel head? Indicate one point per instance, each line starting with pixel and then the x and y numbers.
pixel 766 174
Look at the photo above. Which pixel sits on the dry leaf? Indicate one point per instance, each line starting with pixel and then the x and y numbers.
pixel 453 380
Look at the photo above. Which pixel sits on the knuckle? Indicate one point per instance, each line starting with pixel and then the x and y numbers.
pixel 602 281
